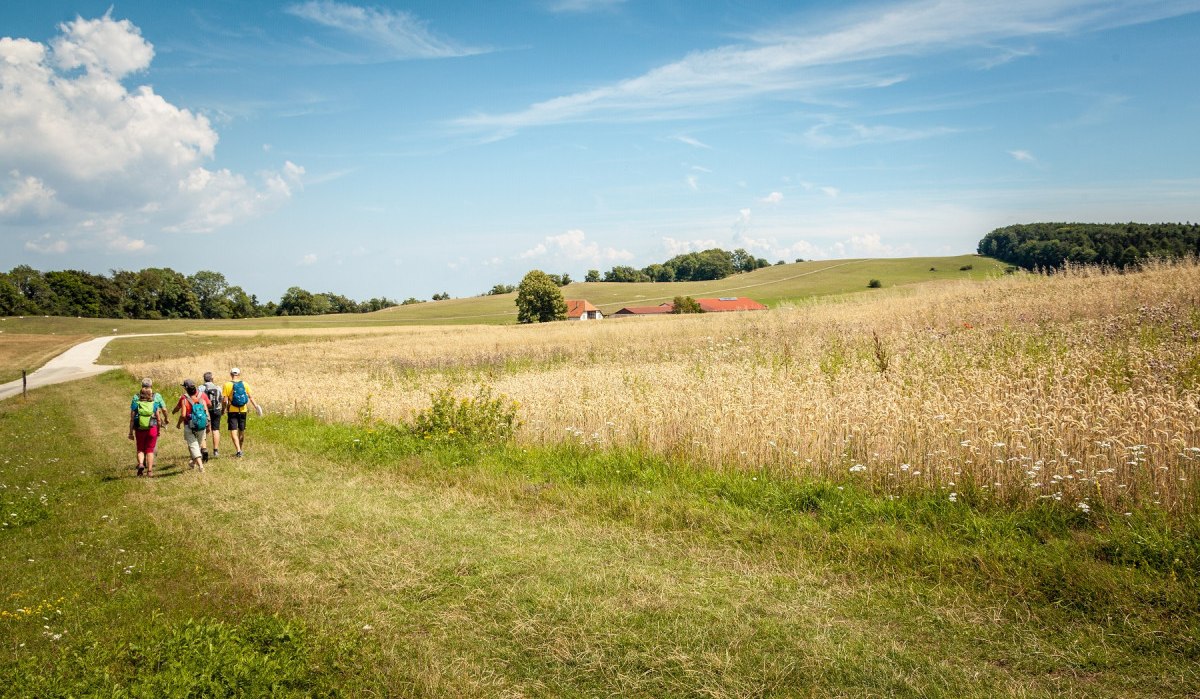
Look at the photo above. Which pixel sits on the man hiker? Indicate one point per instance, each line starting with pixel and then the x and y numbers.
pixel 193 419
pixel 215 408
pixel 237 399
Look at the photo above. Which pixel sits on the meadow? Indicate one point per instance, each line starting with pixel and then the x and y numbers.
pixel 1080 387
pixel 953 489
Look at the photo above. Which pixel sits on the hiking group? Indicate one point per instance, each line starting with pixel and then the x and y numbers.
pixel 199 409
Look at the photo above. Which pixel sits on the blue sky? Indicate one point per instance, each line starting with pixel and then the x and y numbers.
pixel 404 149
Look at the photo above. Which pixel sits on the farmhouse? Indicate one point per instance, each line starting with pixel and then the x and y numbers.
pixel 730 303
pixel 581 309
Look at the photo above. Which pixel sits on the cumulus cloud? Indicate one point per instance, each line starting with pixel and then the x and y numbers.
pixel 26 197
pixel 772 198
pixel 573 245
pixel 47 245
pixel 308 260
pixel 82 148
pixel 675 247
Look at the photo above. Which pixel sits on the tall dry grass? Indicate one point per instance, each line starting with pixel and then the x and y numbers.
pixel 1082 387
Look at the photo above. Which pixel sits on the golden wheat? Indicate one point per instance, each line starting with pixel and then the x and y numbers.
pixel 1082 386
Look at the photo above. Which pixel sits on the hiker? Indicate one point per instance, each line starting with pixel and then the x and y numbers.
pixel 146 413
pixel 215 408
pixel 193 420
pixel 236 399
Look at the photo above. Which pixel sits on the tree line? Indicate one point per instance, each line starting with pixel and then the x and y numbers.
pixel 156 293
pixel 1051 245
pixel 705 265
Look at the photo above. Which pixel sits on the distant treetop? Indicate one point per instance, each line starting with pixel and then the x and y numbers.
pixel 1050 245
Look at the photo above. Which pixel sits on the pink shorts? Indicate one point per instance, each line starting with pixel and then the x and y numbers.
pixel 146 439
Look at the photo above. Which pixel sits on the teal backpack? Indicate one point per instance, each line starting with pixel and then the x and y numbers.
pixel 239 397
pixel 198 420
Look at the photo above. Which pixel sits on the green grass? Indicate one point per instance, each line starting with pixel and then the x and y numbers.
pixel 364 560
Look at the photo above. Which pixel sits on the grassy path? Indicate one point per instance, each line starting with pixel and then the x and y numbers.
pixel 455 574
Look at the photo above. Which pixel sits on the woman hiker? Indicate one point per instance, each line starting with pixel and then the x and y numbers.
pixel 145 416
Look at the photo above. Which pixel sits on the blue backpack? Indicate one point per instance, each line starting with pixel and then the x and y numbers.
pixel 239 397
pixel 198 420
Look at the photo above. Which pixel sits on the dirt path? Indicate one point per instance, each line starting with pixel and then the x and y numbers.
pixel 76 363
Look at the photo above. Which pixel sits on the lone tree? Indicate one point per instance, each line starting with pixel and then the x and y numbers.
pixel 539 299
pixel 686 304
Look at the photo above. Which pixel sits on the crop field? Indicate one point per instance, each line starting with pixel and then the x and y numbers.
pixel 1082 387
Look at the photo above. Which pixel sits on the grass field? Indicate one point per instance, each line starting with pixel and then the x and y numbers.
pixel 956 489
pixel 362 562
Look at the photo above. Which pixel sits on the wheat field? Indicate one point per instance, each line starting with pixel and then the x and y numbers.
pixel 1082 387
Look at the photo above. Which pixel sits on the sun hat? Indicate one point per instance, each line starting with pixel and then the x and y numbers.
pixel 235 370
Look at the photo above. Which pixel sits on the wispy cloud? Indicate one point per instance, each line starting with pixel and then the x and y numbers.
pixel 799 61
pixel 692 142
pixel 583 6
pixel 836 133
pixel 399 34
pixel 1022 156
pixel 772 198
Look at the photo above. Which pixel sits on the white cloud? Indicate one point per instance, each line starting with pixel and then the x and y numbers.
pixel 47 245
pixel 583 6
pixel 831 192
pixel 835 133
pixel 27 197
pixel 87 149
pixel 675 247
pixel 772 198
pixel 308 260
pixel 395 34
pixel 573 245
pixel 800 61
pixel 692 142
pixel 693 182
pixel 1022 156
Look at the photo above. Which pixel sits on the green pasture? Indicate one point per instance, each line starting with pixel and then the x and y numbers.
pixel 365 560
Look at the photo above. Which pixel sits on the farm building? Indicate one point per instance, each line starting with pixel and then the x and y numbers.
pixel 581 309
pixel 643 310
pixel 730 303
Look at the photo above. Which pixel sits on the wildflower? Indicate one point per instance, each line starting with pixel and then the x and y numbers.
pixel 856 468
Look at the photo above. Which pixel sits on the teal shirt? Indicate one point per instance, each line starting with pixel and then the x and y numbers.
pixel 158 403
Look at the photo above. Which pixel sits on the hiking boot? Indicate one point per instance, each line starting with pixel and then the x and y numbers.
pixel 204 456
pixel 141 470
pixel 216 453
pixel 238 455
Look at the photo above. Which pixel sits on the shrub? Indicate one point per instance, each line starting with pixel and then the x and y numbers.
pixel 966 268
pixel 874 284
pixel 481 419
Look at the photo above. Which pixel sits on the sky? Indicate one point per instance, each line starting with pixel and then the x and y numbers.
pixel 403 149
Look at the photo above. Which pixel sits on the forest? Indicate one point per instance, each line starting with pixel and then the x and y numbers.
pixel 155 293
pixel 709 264
pixel 1051 245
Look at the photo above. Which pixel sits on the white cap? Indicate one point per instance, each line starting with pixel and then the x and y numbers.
pixel 235 370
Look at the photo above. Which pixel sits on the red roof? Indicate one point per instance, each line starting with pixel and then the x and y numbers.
pixel 730 303
pixel 577 307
